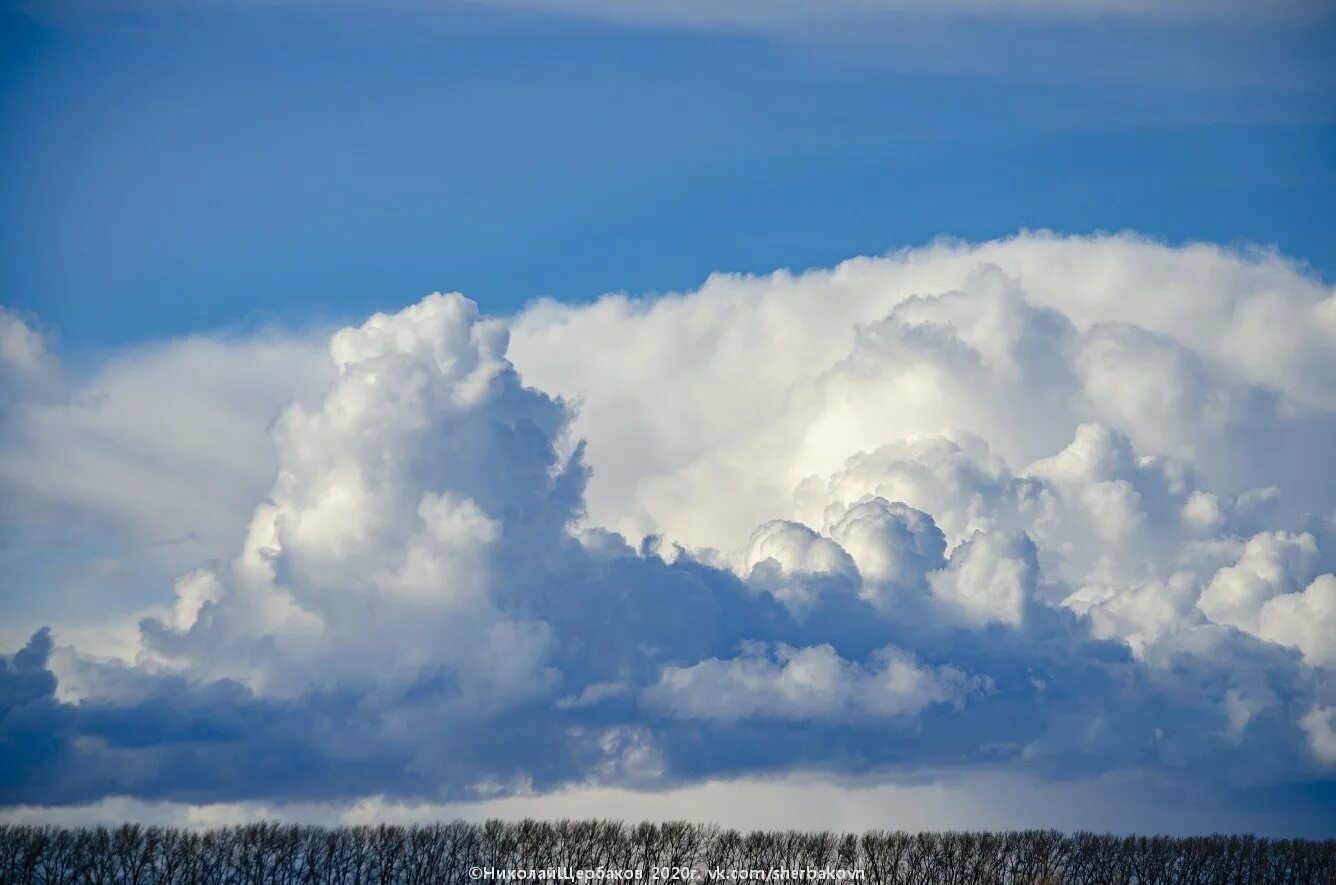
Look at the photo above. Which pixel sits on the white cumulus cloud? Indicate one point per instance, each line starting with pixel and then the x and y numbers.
pixel 1057 503
pixel 806 683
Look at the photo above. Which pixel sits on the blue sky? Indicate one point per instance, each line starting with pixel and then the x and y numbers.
pixel 1015 493
pixel 220 165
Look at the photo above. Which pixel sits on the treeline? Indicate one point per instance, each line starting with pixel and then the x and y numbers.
pixel 459 853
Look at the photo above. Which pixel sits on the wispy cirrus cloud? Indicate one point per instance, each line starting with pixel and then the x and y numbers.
pixel 779 14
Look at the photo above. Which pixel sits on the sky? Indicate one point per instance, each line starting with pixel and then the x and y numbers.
pixel 230 164
pixel 919 410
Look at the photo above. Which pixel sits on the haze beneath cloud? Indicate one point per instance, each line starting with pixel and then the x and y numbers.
pixel 1050 510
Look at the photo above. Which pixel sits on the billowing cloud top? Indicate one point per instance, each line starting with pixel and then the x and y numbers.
pixel 1061 505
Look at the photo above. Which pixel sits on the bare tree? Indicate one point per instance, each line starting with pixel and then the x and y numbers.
pixel 276 854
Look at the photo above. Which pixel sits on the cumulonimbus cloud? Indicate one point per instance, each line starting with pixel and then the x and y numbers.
pixel 1059 504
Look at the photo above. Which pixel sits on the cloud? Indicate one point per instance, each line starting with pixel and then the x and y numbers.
pixel 776 14
pixel 1321 735
pixel 805 683
pixel 991 578
pixel 1018 342
pixel 1306 621
pixel 895 548
pixel 1180 51
pixel 792 563
pixel 788 14
pixel 1272 564
pixel 149 467
pixel 959 508
pixel 26 364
